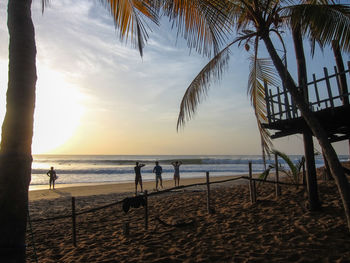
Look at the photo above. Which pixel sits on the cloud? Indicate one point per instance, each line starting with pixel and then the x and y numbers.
pixel 127 95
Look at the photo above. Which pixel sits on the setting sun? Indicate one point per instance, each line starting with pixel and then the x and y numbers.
pixel 57 113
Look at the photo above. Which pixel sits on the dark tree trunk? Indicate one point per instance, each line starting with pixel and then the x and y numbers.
pixel 17 132
pixel 311 178
pixel 341 69
pixel 315 126
pixel 342 78
pixel 327 171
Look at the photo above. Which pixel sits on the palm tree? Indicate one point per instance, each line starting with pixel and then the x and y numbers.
pixel 319 13
pixel 294 13
pixel 194 18
pixel 257 19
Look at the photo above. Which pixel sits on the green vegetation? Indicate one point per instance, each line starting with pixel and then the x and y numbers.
pixel 293 173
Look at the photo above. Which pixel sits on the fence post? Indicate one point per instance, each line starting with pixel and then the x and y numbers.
pixel 328 87
pixel 277 185
pixel 267 100
pixel 74 223
pixel 146 210
pixel 208 194
pixel 251 185
pixel 254 191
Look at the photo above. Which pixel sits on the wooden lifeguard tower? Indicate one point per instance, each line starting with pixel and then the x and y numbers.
pixel 330 105
pixel 328 98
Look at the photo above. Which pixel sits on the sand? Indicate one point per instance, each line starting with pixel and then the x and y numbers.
pixel 271 230
pixel 65 190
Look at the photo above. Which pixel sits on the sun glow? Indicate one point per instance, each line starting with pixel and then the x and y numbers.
pixel 58 111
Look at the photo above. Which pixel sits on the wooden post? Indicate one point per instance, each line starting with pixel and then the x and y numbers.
pixel 304 174
pixel 328 87
pixel 337 77
pixel 311 177
pixel 316 90
pixel 74 232
pixel 279 102
pixel 251 185
pixel 146 210
pixel 272 108
pixel 267 100
pixel 254 188
pixel 277 186
pixel 126 228
pixel 286 101
pixel 293 108
pixel 208 194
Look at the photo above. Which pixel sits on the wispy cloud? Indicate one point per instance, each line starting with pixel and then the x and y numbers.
pixel 134 98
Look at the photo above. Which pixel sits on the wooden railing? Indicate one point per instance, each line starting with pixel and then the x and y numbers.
pixel 322 94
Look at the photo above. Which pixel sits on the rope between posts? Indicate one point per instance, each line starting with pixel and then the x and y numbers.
pixel 119 202
pixel 161 192
pixel 51 218
pixel 271 182
pixel 191 185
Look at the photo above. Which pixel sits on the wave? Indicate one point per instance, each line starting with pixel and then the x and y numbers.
pixel 202 169
pixel 189 161
pixel 118 162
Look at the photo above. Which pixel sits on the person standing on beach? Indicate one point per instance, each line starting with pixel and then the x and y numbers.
pixel 52 174
pixel 177 172
pixel 158 171
pixel 138 178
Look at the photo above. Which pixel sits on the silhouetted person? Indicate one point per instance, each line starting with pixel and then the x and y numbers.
pixel 52 174
pixel 138 177
pixel 158 171
pixel 177 172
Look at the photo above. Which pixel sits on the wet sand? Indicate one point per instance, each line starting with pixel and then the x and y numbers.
pixel 271 230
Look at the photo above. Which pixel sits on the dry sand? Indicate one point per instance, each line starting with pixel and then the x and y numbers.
pixel 63 190
pixel 270 230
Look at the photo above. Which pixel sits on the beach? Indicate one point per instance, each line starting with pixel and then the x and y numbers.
pixel 180 229
pixel 128 188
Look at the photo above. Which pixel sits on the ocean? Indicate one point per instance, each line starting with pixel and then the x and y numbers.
pixel 84 169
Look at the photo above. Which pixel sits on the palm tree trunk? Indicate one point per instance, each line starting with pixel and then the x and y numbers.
pixel 315 126
pixel 342 77
pixel 312 189
pixel 341 69
pixel 17 132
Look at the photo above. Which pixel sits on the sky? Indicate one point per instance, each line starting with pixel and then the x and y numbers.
pixel 96 95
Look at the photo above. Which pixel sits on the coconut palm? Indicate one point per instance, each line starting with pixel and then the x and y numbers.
pixel 256 20
pixel 193 18
pixel 315 30
pixel 298 29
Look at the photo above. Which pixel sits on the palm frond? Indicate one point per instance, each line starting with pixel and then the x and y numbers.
pixel 129 19
pixel 261 71
pixel 300 163
pixel 203 23
pixel 44 3
pixel 200 85
pixel 289 162
pixel 265 174
pixel 322 22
